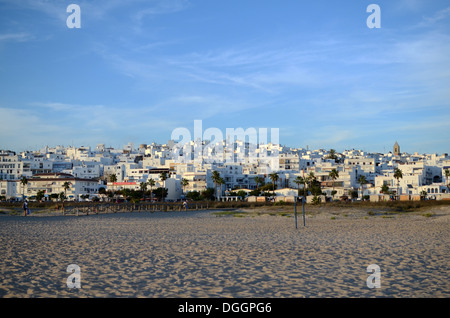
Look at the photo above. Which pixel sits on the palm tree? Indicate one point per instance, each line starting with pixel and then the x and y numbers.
pixel 221 182
pixel 398 175
pixel 151 183
pixel 362 181
pixel 112 179
pixel 143 186
pixel 332 154
pixel 447 177
pixel 163 177
pixel 299 180
pixel 23 181
pixel 184 183
pixel 258 180
pixel 66 186
pixel 385 188
pixel 423 194
pixel 310 179
pixel 274 177
pixel 216 179
pixel 334 174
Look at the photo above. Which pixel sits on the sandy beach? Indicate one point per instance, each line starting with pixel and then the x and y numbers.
pixel 213 254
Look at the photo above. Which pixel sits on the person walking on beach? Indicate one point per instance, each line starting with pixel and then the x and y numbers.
pixel 25 208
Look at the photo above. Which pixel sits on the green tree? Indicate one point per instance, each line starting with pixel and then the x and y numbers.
pixel 24 182
pixel 66 186
pixel 274 177
pixel 334 174
pixel 220 183
pixel 316 200
pixel 143 187
pixel 161 193
pixel 216 179
pixel 266 187
pixel 313 185
pixel 385 188
pixel 310 178
pixel 423 194
pixel 447 177
pixel 163 177
pixel 151 183
pixel 242 194
pixel 299 180
pixel 207 194
pixel 193 195
pixel 113 179
pixel 332 155
pixel 259 181
pixel 398 174
pixel 184 184
pixel 362 181
pixel 40 194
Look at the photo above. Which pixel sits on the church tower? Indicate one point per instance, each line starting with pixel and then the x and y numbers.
pixel 396 149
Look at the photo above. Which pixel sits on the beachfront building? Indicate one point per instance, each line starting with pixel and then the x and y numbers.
pixel 435 190
pixel 12 167
pixel 173 185
pixel 52 184
pixel 291 161
pixel 414 176
pixel 40 164
pixel 117 169
pixel 9 190
pixel 78 153
pixel 86 170
pixel 238 163
pixel 343 184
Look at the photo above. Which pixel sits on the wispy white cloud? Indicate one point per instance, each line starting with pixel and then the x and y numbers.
pixel 55 106
pixel 26 128
pixel 438 16
pixel 16 37
pixel 114 120
pixel 190 107
pixel 161 7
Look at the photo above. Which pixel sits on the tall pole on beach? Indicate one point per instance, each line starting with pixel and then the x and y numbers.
pixel 295 211
pixel 303 204
pixel 304 196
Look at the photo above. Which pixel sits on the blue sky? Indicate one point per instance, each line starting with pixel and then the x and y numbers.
pixel 138 69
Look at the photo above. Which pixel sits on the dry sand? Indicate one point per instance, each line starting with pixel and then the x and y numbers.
pixel 201 254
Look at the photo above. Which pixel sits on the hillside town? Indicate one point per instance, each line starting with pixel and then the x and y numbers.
pixel 105 173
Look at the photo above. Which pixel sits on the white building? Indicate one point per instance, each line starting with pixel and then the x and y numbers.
pixel 9 190
pixel 53 183
pixel 88 170
pixel 12 167
pixel 172 185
